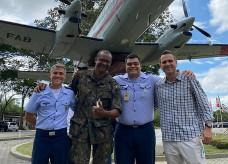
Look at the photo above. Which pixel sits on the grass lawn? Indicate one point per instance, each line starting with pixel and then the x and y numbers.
pixel 26 149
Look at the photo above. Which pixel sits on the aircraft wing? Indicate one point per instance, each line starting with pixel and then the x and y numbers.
pixel 145 50
pixel 27 37
pixel 195 51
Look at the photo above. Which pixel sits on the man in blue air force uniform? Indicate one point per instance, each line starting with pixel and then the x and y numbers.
pixel 52 107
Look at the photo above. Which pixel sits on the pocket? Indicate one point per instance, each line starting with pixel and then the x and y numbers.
pixel 101 123
pixel 146 89
pixel 103 129
pixel 106 103
pixel 66 104
pixel 78 129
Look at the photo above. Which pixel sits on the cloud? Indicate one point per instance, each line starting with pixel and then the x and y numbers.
pixel 219 14
pixel 25 11
pixel 183 61
pixel 216 79
pixel 200 24
pixel 176 9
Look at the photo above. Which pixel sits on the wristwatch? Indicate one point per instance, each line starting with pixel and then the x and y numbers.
pixel 208 124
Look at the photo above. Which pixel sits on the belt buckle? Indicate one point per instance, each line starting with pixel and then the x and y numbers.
pixel 135 126
pixel 52 133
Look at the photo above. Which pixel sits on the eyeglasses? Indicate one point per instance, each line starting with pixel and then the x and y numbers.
pixel 104 61
pixel 134 63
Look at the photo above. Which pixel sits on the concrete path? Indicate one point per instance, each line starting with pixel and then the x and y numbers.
pixel 7 158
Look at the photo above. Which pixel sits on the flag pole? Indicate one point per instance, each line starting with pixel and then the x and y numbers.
pixel 220 110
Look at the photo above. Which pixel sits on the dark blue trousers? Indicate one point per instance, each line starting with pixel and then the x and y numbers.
pixel 53 147
pixel 134 143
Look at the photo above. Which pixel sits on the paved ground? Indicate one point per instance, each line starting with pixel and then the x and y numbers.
pixel 18 133
pixel 209 161
pixel 7 158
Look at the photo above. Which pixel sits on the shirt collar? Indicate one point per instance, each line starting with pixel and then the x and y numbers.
pixel 48 90
pixel 92 76
pixel 164 80
pixel 142 76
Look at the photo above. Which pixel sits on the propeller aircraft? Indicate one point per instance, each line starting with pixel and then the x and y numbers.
pixel 116 29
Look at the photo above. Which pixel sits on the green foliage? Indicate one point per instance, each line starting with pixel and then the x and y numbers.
pixel 151 69
pixel 217 115
pixel 157 28
pixel 8 75
pixel 156 120
pixel 12 107
pixel 25 87
pixel 220 143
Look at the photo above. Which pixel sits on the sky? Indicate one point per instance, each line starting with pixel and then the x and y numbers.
pixel 210 15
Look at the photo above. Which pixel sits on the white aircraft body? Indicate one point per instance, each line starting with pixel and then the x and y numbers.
pixel 117 28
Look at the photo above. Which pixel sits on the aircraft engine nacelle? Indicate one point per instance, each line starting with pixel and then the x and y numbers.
pixel 67 29
pixel 174 40
pixel 69 24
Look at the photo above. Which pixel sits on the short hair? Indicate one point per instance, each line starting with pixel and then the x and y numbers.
pixel 132 56
pixel 165 53
pixel 103 51
pixel 58 65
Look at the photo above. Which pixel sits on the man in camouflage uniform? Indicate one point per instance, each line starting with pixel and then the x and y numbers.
pixel 91 124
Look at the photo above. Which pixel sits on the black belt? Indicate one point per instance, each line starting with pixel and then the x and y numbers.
pixel 52 133
pixel 135 126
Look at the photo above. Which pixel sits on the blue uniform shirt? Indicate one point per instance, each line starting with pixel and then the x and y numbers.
pixel 51 112
pixel 139 109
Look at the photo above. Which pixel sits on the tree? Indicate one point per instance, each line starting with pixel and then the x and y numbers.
pixel 217 116
pixel 157 28
pixel 7 81
pixel 25 88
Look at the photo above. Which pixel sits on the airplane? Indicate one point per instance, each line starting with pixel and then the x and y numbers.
pixel 116 29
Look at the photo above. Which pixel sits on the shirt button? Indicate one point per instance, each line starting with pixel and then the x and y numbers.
pixel 134 120
pixel 134 110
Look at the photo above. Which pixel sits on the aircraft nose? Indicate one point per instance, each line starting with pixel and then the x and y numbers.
pixel 187 23
pixel 191 19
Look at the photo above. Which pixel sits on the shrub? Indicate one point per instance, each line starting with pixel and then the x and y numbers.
pixel 219 143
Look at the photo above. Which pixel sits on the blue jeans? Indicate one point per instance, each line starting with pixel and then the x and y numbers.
pixel 53 147
pixel 134 143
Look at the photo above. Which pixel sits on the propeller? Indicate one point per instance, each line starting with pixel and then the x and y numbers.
pixel 199 29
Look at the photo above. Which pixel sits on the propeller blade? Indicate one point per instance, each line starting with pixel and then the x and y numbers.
pixel 202 31
pixel 185 9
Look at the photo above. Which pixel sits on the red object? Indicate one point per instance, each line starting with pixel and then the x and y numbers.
pixel 224 51
pixel 218 104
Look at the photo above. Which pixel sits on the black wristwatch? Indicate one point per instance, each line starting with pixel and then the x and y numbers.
pixel 208 124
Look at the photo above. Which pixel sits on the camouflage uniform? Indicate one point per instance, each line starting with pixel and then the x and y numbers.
pixel 87 130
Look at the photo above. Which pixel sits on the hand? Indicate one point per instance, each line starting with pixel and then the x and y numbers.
pixel 206 135
pixel 189 73
pixel 40 87
pixel 98 110
pixel 75 72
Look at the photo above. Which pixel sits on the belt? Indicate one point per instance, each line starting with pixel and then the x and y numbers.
pixel 135 126
pixel 51 133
